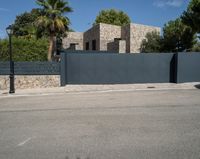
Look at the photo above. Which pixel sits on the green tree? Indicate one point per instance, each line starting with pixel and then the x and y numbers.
pixel 152 43
pixel 24 25
pixel 113 16
pixel 177 37
pixel 23 49
pixel 191 17
pixel 53 20
pixel 196 47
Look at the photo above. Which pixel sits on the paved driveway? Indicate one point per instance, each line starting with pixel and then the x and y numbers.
pixel 114 125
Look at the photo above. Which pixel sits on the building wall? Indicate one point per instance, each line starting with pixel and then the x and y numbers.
pixel 104 34
pixel 125 35
pixel 122 46
pixel 118 46
pixel 73 37
pixel 90 35
pixel 137 35
pixel 107 34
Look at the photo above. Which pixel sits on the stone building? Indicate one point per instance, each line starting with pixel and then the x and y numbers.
pixel 111 38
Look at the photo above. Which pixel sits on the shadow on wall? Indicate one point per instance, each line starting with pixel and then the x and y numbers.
pixel 197 86
pixel 173 69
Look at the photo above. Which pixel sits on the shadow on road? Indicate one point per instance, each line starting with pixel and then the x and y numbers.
pixel 197 86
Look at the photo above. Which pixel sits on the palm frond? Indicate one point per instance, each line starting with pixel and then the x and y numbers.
pixel 43 21
pixel 52 3
pixel 51 12
pixel 53 19
pixel 67 10
pixel 43 3
pixel 59 24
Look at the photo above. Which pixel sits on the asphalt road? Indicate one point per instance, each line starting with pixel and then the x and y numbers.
pixel 114 125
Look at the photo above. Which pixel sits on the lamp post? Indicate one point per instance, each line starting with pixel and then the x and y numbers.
pixel 9 31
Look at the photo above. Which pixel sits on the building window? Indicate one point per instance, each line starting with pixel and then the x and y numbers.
pixel 87 46
pixel 94 45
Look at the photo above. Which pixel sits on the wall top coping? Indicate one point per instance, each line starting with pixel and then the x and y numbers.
pixel 74 34
pixel 142 25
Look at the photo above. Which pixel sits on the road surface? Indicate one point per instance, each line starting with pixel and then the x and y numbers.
pixel 151 124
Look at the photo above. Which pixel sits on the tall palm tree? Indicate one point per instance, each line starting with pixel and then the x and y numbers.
pixel 53 20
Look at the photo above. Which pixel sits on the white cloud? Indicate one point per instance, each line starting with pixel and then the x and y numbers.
pixel 4 9
pixel 170 3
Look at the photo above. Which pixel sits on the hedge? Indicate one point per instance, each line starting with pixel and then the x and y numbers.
pixel 24 49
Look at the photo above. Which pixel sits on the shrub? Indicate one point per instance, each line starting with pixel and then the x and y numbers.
pixel 24 49
pixel 196 47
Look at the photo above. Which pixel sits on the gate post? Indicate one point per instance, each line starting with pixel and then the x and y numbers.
pixel 63 69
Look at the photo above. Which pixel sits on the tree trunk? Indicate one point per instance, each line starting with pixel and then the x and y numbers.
pixel 51 48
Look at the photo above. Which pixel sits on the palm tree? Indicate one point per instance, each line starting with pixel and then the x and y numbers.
pixel 53 20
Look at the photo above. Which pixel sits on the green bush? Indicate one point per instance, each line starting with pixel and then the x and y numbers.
pixel 196 47
pixel 24 49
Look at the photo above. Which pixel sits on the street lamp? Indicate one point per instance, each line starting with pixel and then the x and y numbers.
pixel 9 31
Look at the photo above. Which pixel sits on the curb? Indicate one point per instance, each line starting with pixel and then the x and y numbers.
pixel 76 89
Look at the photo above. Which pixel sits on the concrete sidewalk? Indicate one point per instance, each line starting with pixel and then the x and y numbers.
pixel 131 87
pixel 102 88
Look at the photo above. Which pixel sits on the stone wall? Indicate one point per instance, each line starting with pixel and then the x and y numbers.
pixel 25 82
pixel 107 34
pixel 118 46
pixel 104 35
pixel 137 35
pixel 90 35
pixel 125 34
pixel 73 37
pixel 121 46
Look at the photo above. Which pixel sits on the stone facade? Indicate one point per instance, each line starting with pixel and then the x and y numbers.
pixel 73 38
pixel 118 46
pixel 137 35
pixel 125 34
pixel 102 38
pixel 107 34
pixel 90 36
pixel 24 82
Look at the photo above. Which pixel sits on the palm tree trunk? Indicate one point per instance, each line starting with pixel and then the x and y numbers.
pixel 55 47
pixel 51 48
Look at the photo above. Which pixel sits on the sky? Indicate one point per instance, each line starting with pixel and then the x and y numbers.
pixel 148 12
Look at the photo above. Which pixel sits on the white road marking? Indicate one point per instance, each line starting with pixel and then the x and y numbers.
pixel 24 142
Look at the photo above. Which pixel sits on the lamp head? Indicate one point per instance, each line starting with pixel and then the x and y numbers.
pixel 9 30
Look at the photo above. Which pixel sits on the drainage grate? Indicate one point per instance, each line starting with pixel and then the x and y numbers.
pixel 151 87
